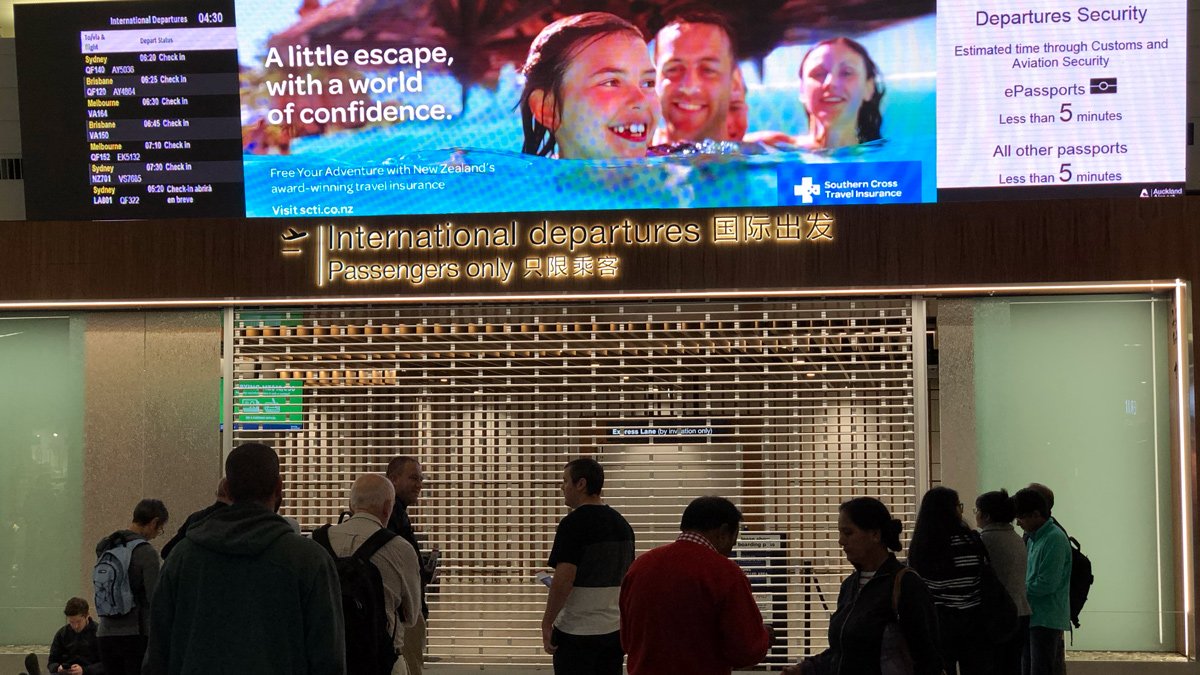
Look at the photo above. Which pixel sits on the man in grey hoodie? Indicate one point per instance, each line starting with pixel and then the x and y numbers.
pixel 243 593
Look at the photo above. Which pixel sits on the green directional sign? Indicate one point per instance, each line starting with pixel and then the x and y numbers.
pixel 269 319
pixel 268 404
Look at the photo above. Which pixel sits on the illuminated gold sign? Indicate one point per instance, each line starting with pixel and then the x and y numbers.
pixel 451 252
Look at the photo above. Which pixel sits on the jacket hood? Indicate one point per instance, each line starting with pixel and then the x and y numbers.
pixel 244 529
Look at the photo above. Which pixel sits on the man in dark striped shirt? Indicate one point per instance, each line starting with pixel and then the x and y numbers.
pixel 593 548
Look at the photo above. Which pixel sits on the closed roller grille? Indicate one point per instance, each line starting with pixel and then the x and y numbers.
pixel 787 408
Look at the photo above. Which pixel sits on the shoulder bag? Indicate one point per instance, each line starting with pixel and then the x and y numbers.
pixel 894 655
pixel 999 611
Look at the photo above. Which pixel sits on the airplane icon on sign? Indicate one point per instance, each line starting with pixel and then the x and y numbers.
pixel 291 235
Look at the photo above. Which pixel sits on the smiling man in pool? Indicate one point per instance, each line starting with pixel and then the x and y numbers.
pixel 694 57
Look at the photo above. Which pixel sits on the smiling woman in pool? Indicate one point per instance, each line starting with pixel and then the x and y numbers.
pixel 840 89
pixel 589 90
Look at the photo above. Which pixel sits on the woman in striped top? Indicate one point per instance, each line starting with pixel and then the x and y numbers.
pixel 949 555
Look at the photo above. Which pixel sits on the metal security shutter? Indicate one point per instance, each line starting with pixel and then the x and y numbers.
pixel 787 408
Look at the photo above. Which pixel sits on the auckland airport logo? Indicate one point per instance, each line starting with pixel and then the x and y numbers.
pixel 1148 193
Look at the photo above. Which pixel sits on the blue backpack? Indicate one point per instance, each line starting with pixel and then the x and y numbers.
pixel 110 576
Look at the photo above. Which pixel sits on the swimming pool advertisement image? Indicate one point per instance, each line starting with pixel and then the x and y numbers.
pixel 353 115
pixel 317 108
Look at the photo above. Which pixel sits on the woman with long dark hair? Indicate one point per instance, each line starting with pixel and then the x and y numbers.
pixel 841 90
pixel 949 555
pixel 881 591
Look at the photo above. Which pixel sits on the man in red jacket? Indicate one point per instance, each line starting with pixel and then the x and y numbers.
pixel 686 607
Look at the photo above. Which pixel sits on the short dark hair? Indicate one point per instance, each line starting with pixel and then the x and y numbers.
pixel 1046 494
pixel 996 505
pixel 697 13
pixel 149 509
pixel 77 607
pixel 710 513
pixel 253 472
pixel 590 471
pixel 868 513
pixel 396 466
pixel 1028 500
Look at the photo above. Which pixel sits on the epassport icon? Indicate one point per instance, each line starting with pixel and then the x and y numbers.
pixel 1103 85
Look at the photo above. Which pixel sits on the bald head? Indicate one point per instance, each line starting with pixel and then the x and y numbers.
pixel 373 493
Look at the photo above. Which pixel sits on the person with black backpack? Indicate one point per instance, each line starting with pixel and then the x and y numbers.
pixel 1081 574
pixel 380 579
pixel 124 577
pixel 1047 583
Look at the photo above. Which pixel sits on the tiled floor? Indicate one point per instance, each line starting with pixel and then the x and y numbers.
pixel 1144 657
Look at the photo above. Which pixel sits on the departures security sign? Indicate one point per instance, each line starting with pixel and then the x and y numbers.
pixel 1034 96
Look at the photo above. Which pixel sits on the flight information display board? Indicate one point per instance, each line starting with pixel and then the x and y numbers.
pixel 137 114
pixel 150 109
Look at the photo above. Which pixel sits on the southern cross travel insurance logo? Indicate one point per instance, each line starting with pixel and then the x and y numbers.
pixel 806 190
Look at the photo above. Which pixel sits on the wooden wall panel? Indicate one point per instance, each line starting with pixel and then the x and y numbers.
pixel 219 259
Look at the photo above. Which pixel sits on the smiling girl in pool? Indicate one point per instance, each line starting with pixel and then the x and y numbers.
pixel 589 90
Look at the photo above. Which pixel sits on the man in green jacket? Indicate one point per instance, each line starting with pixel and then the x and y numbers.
pixel 1047 583
pixel 243 593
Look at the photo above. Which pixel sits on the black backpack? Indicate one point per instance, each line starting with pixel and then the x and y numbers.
pixel 370 649
pixel 1081 577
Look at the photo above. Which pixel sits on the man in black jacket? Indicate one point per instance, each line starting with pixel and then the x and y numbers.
pixel 406 474
pixel 74 649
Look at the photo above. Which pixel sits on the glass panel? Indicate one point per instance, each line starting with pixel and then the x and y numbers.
pixel 1074 393
pixel 41 474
